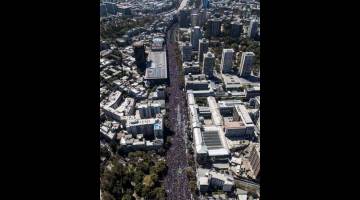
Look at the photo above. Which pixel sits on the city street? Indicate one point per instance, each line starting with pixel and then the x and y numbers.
pixel 176 181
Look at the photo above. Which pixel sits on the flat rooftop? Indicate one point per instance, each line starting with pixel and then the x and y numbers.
pixel 158 65
pixel 211 138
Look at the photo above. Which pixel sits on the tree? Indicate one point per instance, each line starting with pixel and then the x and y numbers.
pixel 159 168
pixel 138 176
pixel 167 142
pixel 107 196
pixel 148 181
pixel 138 188
pixel 145 192
pixel 158 193
pixel 235 46
pixel 193 186
pixel 144 166
pixel 190 173
pixel 227 27
pixel 126 197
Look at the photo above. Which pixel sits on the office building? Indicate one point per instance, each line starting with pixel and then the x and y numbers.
pixel 127 107
pixel 184 18
pixel 227 60
pixel 216 116
pixel 255 160
pixel 194 37
pixel 139 54
pixel 186 52
pixel 242 126
pixel 258 121
pixel 252 92
pixel 103 12
pixel 205 4
pixel 108 8
pixel 236 29
pixel 222 181
pixel 202 17
pixel 209 64
pixel 246 63
pixel 196 82
pixel 194 19
pixel 253 28
pixel 210 178
pixel 111 104
pixel 226 107
pixel 231 82
pixel 125 9
pixel 203 93
pixel 191 68
pixel 149 128
pixel 149 110
pixel 203 48
pixel 214 27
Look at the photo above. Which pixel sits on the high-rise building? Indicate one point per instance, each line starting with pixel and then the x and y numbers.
pixel 253 27
pixel 255 159
pixel 258 121
pixel 209 64
pixel 227 60
pixel 139 54
pixel 236 29
pixel 203 48
pixel 205 4
pixel 214 27
pixel 194 19
pixel 246 63
pixel 184 18
pixel 202 17
pixel 108 8
pixel 194 37
pixel 103 12
pixel 125 9
pixel 186 52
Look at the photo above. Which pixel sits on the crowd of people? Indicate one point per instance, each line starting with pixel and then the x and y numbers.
pixel 176 181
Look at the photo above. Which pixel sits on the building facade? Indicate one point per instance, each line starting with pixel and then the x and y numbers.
pixel 209 64
pixel 227 60
pixel 194 37
pixel 255 159
pixel 205 4
pixel 150 128
pixel 186 51
pixel 214 27
pixel 253 27
pixel 236 29
pixel 194 19
pixel 246 63
pixel 202 17
pixel 203 48
pixel 139 54
pixel 191 67
pixel 184 18
pixel 149 110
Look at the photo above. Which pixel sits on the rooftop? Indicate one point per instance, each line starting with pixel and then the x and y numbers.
pixel 158 65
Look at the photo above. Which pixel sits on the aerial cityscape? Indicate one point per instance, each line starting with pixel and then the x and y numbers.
pixel 179 99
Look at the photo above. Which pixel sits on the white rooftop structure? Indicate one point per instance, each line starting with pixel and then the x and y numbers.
pixel 231 81
pixel 243 113
pixel 215 113
pixel 158 65
pixel 191 99
pixel 113 99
